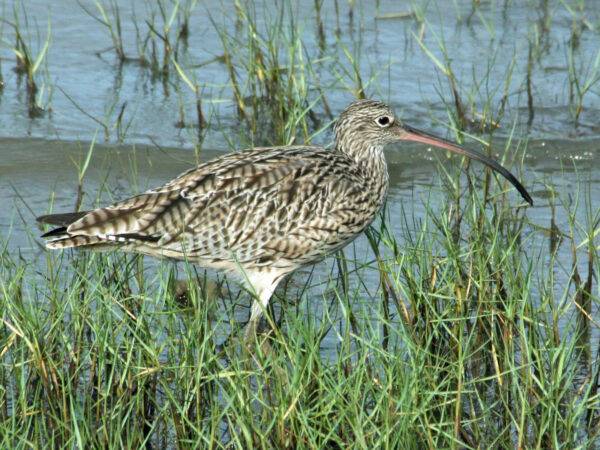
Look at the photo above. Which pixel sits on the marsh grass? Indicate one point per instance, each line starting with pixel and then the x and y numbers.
pixel 192 83
pixel 583 75
pixel 30 63
pixel 475 105
pixel 269 71
pixel 155 44
pixel 455 333
pixel 467 329
pixel 273 78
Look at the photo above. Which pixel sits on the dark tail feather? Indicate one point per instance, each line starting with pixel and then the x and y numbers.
pixel 55 232
pixel 62 238
pixel 64 219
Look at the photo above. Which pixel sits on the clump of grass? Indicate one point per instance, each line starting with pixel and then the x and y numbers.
pixel 193 85
pixel 479 112
pixel 582 77
pixel 27 62
pixel 269 71
pixel 154 42
pixel 110 17
pixel 274 79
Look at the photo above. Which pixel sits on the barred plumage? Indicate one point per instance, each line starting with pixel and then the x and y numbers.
pixel 264 212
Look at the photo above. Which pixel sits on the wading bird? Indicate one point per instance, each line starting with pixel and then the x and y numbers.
pixel 261 213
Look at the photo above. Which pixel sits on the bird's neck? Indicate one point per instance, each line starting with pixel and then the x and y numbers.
pixel 371 161
pixel 378 170
pixel 368 157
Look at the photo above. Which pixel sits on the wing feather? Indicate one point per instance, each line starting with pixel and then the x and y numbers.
pixel 259 205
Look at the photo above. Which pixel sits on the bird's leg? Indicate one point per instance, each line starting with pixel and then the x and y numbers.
pixel 258 306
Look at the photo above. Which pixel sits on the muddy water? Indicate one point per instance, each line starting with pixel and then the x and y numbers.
pixel 37 156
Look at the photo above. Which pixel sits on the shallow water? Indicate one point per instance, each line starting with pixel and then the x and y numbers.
pixel 38 155
pixel 481 43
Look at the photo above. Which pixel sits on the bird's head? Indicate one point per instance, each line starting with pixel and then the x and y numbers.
pixel 365 127
pixel 366 123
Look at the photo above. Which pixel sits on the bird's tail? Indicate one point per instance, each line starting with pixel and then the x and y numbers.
pixel 100 229
pixel 64 219
pixel 60 238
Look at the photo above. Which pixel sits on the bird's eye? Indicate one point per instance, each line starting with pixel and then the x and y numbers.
pixel 384 121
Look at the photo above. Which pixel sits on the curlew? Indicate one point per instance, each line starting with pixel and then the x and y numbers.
pixel 261 213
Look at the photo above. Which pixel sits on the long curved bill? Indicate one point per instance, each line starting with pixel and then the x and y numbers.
pixel 412 134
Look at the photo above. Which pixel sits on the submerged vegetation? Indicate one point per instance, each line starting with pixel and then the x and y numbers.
pixel 473 326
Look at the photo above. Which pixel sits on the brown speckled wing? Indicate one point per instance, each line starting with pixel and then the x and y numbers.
pixel 286 205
